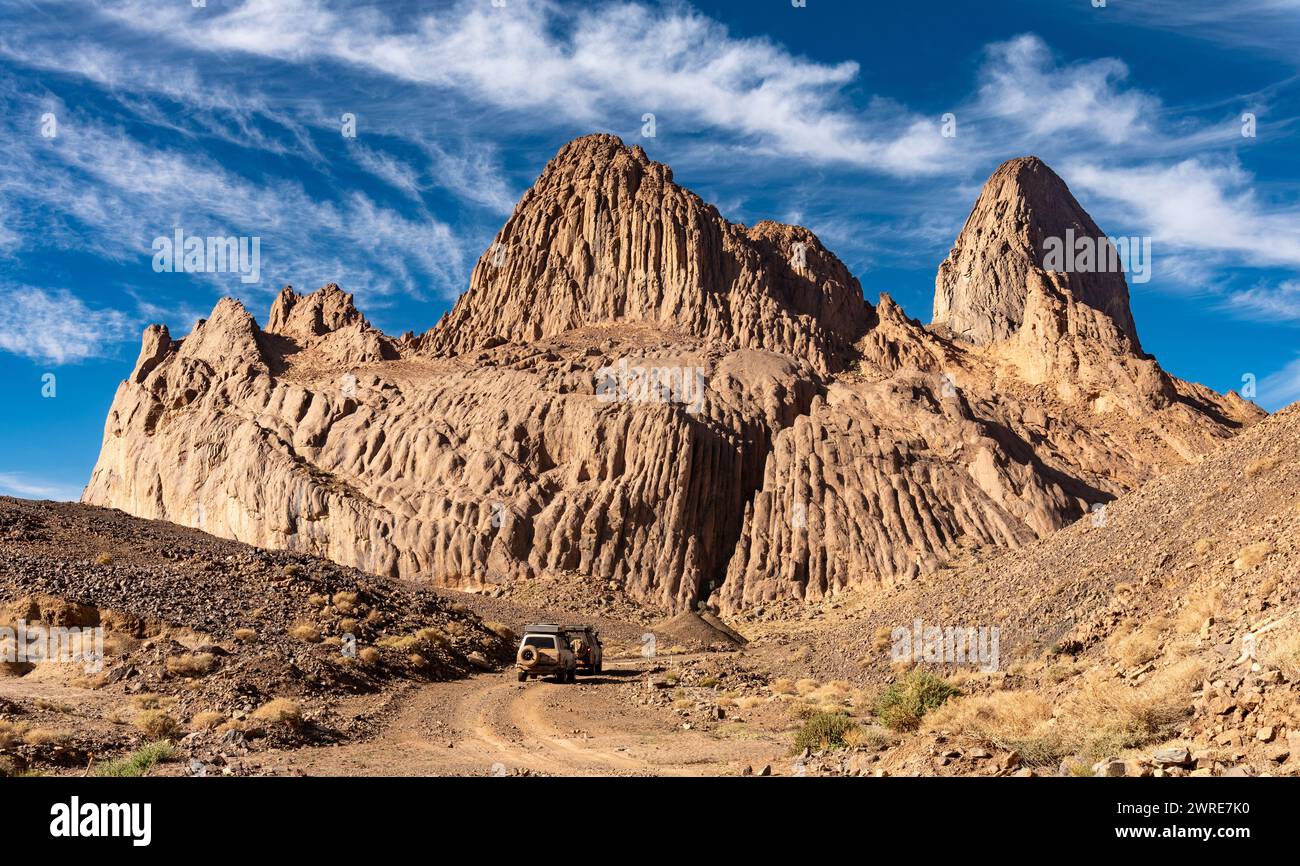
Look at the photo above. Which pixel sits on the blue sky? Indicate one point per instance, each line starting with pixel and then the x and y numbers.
pixel 226 120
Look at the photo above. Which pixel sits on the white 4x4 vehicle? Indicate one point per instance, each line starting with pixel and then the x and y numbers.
pixel 545 651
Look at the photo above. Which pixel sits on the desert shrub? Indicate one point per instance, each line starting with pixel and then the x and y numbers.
pixel 1198 610
pixel 46 737
pixel 293 569
pixel 155 724
pixel 1139 645
pixel 245 635
pixel 138 762
pixel 151 701
pixel 783 686
pixel 1252 555
pixel 1262 466
pixel 1284 654
pixel 1202 546
pixel 280 711
pixel 103 558
pixel 191 664
pixel 369 656
pixel 501 630
pixel 1012 720
pixel 348 625
pixel 305 632
pixel 346 602
pixel 1107 716
pixel 902 706
pixel 11 733
pixel 207 719
pixel 824 731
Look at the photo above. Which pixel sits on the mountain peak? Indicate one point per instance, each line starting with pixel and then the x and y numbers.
pixel 981 288
pixel 605 235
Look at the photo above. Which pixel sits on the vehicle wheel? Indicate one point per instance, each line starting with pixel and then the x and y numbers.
pixel 523 677
pixel 599 666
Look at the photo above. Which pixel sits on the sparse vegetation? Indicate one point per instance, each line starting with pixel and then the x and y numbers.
pixel 103 558
pixel 1199 609
pixel 782 686
pixel 305 632
pixel 1252 555
pixel 155 724
pixel 902 706
pixel 501 630
pixel 369 656
pixel 245 635
pixel 139 762
pixel 46 737
pixel 1262 466
pixel 282 712
pixel 191 664
pixel 207 719
pixel 824 731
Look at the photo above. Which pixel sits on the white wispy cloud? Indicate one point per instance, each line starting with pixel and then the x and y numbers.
pixel 1273 304
pixel 583 64
pixel 56 327
pixel 1281 388
pixel 1198 204
pixel 1271 26
pixel 22 486
pixel 97 189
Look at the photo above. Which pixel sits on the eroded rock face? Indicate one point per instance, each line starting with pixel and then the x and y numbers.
pixel 605 235
pixel 644 394
pixel 982 288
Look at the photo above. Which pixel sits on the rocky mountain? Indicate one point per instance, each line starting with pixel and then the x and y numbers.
pixel 639 392
pixel 982 288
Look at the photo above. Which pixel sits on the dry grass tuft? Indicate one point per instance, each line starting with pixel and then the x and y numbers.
pixel 103 558
pixel 346 602
pixel 1283 653
pixel 156 724
pixel 47 737
pixel 1199 608
pixel 245 635
pixel 783 686
pixel 305 632
pixel 1139 645
pixel 1252 555
pixel 1262 466
pixel 207 719
pixel 191 664
pixel 501 630
pixel 280 711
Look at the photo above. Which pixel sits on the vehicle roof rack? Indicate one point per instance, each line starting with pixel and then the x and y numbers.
pixel 543 628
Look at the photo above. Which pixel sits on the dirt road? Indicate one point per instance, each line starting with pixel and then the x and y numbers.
pixel 493 725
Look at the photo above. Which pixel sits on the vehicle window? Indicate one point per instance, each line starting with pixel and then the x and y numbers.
pixel 541 641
